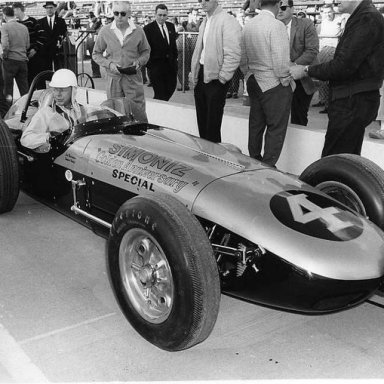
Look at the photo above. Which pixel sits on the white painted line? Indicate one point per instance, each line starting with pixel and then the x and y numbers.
pixel 16 361
pixel 65 329
pixel 378 299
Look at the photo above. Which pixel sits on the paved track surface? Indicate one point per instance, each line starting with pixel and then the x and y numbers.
pixel 59 321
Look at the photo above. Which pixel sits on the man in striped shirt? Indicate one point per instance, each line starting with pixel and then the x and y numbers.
pixel 265 63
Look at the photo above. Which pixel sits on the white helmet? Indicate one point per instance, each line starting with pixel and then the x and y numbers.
pixel 63 78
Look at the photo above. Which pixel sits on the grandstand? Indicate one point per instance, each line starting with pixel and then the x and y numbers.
pixel 177 8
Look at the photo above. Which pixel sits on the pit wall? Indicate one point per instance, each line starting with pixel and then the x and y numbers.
pixel 302 145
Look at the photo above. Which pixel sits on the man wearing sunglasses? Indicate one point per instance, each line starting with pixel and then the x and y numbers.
pixel 355 76
pixel 304 48
pixel 162 64
pixel 215 59
pixel 122 49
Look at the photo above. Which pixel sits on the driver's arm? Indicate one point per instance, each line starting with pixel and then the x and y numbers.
pixel 36 135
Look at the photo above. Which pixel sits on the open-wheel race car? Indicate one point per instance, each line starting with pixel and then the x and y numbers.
pixel 187 219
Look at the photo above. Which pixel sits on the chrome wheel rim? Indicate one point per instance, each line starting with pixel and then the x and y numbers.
pixel 146 275
pixel 343 194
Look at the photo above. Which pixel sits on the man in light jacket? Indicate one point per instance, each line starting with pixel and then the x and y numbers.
pixel 215 59
pixel 122 49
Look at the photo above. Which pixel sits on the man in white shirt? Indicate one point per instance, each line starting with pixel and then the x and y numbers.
pixel 162 63
pixel 55 30
pixel 215 59
pixel 304 48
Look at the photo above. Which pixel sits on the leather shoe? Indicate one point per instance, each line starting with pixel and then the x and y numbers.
pixel 319 104
pixel 229 95
pixel 377 134
pixel 325 110
pixel 234 96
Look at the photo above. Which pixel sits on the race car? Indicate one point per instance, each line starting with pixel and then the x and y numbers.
pixel 187 219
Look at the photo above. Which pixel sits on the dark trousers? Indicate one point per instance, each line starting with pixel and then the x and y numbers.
pixel 210 101
pixel 35 65
pixel 95 67
pixel 164 80
pixel 348 118
pixel 235 82
pixel 4 106
pixel 53 62
pixel 18 71
pixel 269 114
pixel 300 105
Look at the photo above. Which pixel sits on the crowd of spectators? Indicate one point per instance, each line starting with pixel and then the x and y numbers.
pixel 313 37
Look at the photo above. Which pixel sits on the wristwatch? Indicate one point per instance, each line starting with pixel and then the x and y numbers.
pixel 306 68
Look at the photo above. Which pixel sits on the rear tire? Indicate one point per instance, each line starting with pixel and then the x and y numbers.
pixel 163 272
pixel 352 180
pixel 9 169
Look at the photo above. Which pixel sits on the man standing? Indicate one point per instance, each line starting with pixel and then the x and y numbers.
pixel 356 74
pixel 36 38
pixel 162 64
pixel 4 106
pixel 55 30
pixel 265 62
pixel 93 25
pixel 214 61
pixel 15 43
pixel 127 50
pixel 304 48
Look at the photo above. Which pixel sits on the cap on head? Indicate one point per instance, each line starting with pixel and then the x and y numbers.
pixel 63 78
pixel 49 4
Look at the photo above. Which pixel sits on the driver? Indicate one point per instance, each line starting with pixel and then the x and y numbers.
pixel 63 115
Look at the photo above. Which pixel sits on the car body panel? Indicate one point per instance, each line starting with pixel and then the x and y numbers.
pixel 143 163
pixel 338 257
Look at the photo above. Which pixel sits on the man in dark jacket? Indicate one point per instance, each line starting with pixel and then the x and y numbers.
pixel 304 48
pixel 162 63
pixel 55 30
pixel 355 74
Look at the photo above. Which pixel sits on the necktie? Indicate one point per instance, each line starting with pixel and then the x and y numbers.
pixel 50 22
pixel 163 32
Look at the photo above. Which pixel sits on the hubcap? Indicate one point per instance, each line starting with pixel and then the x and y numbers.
pixel 146 275
pixel 343 194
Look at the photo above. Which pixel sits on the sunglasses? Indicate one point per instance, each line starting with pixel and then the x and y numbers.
pixel 284 7
pixel 123 14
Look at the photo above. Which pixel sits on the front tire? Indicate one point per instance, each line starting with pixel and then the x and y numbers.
pixel 352 180
pixel 163 272
pixel 9 169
